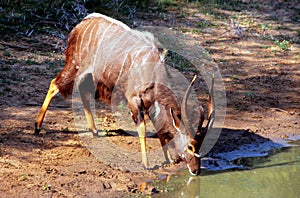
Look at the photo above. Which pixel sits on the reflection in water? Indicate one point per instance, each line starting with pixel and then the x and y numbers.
pixel 274 176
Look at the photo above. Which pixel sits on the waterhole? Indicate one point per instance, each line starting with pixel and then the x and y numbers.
pixel 273 175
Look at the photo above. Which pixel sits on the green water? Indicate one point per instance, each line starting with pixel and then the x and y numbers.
pixel 275 176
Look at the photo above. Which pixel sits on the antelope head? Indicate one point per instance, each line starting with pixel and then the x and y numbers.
pixel 189 146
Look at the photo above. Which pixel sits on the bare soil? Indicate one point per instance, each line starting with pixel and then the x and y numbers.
pixel 261 75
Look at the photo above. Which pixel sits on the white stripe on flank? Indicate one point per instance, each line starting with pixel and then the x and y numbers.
pixel 91 36
pixel 135 55
pixel 99 45
pixel 120 72
pixel 128 51
pixel 82 38
pixel 95 40
pixel 97 15
pixel 145 58
pixel 114 39
pixel 113 47
pixel 117 39
pixel 77 49
pixel 134 64
pixel 122 67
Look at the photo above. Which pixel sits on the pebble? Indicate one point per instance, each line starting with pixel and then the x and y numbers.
pixel 295 48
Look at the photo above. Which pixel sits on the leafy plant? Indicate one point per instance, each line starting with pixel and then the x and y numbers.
pixel 283 45
pixel 47 187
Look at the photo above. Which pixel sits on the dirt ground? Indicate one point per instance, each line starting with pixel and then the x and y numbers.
pixel 257 51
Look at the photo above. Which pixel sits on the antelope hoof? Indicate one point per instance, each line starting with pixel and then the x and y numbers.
pixel 146 165
pixel 147 168
pixel 36 129
pixel 95 133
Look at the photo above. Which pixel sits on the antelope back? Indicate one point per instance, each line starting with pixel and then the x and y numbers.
pixel 106 48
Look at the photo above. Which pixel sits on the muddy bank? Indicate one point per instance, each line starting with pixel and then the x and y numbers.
pixel 58 163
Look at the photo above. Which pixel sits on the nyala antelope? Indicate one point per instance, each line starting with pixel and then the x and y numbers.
pixel 102 52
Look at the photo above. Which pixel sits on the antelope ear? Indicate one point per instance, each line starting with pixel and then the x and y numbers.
pixel 175 119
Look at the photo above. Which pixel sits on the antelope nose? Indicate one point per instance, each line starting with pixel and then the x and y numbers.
pixel 196 172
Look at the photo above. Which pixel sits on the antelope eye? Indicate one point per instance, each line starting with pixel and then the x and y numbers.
pixel 190 147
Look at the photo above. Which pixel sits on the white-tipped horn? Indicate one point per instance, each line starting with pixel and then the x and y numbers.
pixel 202 132
pixel 197 155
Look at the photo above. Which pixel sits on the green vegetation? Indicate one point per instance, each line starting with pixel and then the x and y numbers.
pixel 283 45
pixel 179 62
pixel 25 17
pixel 47 187
pixel 159 186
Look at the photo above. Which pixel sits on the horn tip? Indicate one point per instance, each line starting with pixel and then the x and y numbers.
pixel 194 79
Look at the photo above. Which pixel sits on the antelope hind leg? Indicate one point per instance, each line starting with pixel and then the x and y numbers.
pixel 52 91
pixel 88 113
pixel 86 88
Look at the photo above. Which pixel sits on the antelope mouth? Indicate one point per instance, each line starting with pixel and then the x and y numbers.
pixel 194 172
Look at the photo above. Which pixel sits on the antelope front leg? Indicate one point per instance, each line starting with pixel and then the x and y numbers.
pixel 137 114
pixel 167 154
pixel 52 91
pixel 141 128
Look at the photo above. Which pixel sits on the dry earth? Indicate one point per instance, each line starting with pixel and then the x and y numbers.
pixel 261 75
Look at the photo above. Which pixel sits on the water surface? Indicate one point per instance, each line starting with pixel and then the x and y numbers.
pixel 275 175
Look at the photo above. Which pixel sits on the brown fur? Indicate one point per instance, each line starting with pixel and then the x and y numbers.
pixel 81 54
pixel 65 79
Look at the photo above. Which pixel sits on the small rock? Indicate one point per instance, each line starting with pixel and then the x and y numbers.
pixel 106 185
pixel 82 172
pixel 295 48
